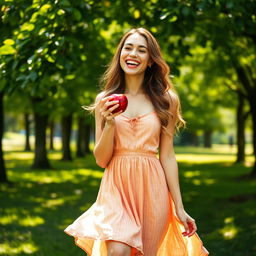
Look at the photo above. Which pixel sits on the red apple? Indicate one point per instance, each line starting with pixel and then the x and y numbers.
pixel 123 102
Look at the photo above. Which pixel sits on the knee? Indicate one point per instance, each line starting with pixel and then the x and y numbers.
pixel 118 251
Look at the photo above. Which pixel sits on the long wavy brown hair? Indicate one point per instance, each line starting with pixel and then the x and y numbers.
pixel 157 84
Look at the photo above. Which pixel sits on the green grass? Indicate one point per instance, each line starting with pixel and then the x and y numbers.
pixel 42 203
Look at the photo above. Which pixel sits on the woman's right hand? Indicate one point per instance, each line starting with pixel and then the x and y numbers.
pixel 107 113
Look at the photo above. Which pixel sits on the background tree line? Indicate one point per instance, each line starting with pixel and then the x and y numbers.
pixel 52 55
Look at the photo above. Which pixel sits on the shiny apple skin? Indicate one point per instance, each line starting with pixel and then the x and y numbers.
pixel 123 102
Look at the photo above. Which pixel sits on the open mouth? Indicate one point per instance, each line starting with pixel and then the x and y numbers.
pixel 132 63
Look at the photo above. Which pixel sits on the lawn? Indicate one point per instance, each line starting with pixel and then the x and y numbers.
pixel 41 203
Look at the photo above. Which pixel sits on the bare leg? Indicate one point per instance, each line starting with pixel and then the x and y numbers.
pixel 118 248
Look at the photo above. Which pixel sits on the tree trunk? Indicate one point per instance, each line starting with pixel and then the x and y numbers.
pixel 3 175
pixel 253 112
pixel 87 129
pixel 40 160
pixel 51 125
pixel 240 119
pixel 66 124
pixel 186 138
pixel 249 84
pixel 93 133
pixel 27 130
pixel 208 138
pixel 80 142
pixel 195 140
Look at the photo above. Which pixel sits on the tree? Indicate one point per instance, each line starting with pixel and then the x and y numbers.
pixel 41 51
pixel 230 27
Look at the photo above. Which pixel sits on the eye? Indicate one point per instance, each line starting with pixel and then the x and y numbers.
pixel 143 51
pixel 127 48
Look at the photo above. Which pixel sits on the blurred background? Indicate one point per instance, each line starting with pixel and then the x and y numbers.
pixel 52 54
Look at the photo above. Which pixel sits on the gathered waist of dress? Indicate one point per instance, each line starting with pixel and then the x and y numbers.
pixel 135 152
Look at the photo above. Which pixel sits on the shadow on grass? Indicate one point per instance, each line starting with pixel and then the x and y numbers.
pixel 227 226
pixel 42 203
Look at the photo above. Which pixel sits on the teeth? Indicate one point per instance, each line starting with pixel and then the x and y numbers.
pixel 132 63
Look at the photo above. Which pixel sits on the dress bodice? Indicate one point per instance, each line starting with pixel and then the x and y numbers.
pixel 140 133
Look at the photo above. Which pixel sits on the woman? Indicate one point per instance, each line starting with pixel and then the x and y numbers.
pixel 139 209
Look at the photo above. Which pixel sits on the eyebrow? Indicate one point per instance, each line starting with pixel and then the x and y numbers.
pixel 142 46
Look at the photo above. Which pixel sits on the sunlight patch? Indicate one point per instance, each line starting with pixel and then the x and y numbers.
pixel 28 221
pixel 31 221
pixel 53 202
pixel 190 174
pixel 203 158
pixel 4 220
pixel 209 181
pixel 196 182
pixel 229 220
pixel 27 248
pixel 78 191
pixel 229 231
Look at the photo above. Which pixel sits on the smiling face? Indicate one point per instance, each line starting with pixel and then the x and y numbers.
pixel 134 57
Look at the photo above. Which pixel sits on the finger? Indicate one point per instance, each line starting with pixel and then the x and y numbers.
pixel 105 113
pixel 193 228
pixel 107 98
pixel 118 113
pixel 109 113
pixel 190 227
pixel 186 228
pixel 114 107
pixel 110 109
pixel 109 103
pixel 104 100
pixel 101 112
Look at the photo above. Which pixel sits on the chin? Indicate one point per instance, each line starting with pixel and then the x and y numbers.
pixel 133 72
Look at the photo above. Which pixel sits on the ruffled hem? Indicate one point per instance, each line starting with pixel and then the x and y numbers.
pixel 136 251
pixel 87 248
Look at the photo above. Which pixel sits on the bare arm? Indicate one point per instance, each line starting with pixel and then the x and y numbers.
pixel 172 177
pixel 104 143
pixel 169 164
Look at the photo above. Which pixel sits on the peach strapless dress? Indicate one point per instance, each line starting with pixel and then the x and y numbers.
pixel 134 205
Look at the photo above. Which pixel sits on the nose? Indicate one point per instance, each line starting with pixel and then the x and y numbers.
pixel 133 53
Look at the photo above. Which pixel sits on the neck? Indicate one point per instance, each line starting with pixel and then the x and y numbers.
pixel 133 84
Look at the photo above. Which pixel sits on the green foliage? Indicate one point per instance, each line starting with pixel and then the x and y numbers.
pixel 49 42
pixel 52 51
pixel 58 51
pixel 202 90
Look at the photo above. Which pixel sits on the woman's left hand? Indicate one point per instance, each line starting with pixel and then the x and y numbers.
pixel 188 222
